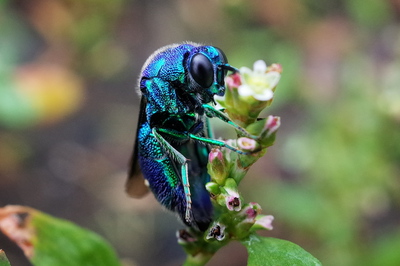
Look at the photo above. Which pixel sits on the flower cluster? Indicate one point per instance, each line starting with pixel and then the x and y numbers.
pixel 248 93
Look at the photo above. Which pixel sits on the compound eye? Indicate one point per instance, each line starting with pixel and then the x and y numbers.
pixel 202 70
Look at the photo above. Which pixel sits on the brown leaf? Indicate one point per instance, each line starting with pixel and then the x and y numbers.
pixel 15 223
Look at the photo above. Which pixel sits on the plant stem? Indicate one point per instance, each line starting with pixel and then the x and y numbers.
pixel 199 260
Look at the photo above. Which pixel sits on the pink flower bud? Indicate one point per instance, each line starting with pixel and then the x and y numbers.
pixel 248 216
pixel 216 166
pixel 272 124
pixel 253 210
pixel 275 67
pixel 233 81
pixel 264 222
pixel 215 154
pixel 250 212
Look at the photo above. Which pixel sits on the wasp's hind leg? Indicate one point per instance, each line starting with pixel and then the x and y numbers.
pixel 183 161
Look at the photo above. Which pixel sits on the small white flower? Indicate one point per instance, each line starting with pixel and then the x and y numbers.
pixel 258 83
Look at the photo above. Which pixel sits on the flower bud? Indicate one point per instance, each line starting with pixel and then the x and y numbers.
pixel 213 188
pixel 229 196
pixel 268 134
pixel 216 166
pixel 233 81
pixel 215 154
pixel 272 125
pixel 263 222
pixel 250 212
pixel 275 67
pixel 247 217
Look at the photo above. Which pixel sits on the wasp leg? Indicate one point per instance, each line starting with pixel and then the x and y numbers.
pixel 220 143
pixel 212 112
pixel 176 155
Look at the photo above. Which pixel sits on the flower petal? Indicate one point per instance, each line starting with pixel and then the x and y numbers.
pixel 245 70
pixel 273 78
pixel 245 90
pixel 266 95
pixel 246 73
pixel 260 66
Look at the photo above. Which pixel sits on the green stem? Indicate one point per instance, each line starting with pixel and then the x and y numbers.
pixel 198 260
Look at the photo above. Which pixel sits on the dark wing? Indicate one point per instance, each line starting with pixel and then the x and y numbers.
pixel 135 185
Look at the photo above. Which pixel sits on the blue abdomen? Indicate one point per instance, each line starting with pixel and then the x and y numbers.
pixel 164 176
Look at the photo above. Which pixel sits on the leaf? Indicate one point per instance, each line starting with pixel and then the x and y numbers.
pixel 273 251
pixel 46 240
pixel 3 259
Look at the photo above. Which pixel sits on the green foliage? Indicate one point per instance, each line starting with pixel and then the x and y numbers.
pixel 3 259
pixel 272 251
pixel 386 251
pixel 47 240
pixel 59 242
pixel 373 14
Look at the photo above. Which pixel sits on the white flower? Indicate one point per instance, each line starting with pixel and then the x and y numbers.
pixel 258 83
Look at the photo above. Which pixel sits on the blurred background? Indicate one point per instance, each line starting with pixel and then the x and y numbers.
pixel 68 114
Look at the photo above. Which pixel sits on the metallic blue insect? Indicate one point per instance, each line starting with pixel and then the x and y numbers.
pixel 177 83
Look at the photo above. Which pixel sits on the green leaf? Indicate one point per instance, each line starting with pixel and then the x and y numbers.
pixel 3 259
pixel 273 251
pixel 46 240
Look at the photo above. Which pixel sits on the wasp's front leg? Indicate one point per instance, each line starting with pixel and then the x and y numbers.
pixel 212 112
pixel 220 143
